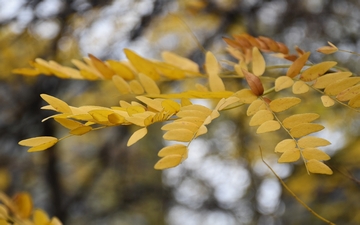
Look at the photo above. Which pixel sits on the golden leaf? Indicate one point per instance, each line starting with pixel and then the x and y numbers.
pixel 183 135
pixel 136 87
pixel 285 145
pixel 121 69
pixel 258 62
pixel 57 104
pixel 297 65
pixel 323 81
pixel 156 105
pixel 300 87
pixel 142 65
pixel 170 106
pixel 198 121
pixel 168 161
pixel 255 106
pixel 116 119
pixel 198 108
pixel 227 102
pixel 340 85
pixel 282 104
pixel 317 70
pixel 136 136
pixel 268 126
pixel 283 82
pixel 177 149
pixel 327 101
pixel 105 71
pixel 290 155
pixel 55 221
pixel 202 130
pixel 245 96
pixel 68 123
pixel 355 101
pixel 101 116
pixel 311 141
pixel 315 166
pixel 121 84
pixel 328 49
pixel 239 67
pixel 260 117
pixel 26 71
pixel 195 94
pixel 40 217
pixel 81 130
pixel 23 205
pixel 297 119
pixel 348 93
pixel 180 62
pixel 305 129
pixel 179 125
pixel 149 84
pixel 192 113
pixel 314 153
pixel 213 70
pixel 185 102
pixel 30 142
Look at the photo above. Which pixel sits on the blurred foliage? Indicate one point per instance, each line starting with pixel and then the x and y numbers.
pixel 96 179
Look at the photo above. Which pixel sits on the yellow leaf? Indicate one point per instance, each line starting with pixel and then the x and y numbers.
pixel 314 153
pixel 177 149
pixel 290 155
pixel 116 119
pixel 134 110
pixel 185 102
pixel 121 84
pixel 200 108
pixel 239 67
pixel 323 81
pixel 258 62
pixel 192 113
pixel 261 117
pixel 297 119
pixel 183 135
pixel 105 71
pixel 26 71
pixel 180 62
pixel 37 141
pixel 42 146
pixel 181 125
pixel 283 82
pixel 282 104
pixel 328 49
pixel 69 124
pixel 213 69
pixel 136 136
pixel 297 65
pixel 327 101
pixel 340 85
pixel 142 65
pixel 311 141
pixel 305 129
pixel 285 145
pixel 197 120
pixel 59 105
pixel 355 101
pixel 168 161
pixel 149 84
pixel 81 130
pixel 300 87
pixel 40 217
pixel 23 205
pixel 88 75
pixel 136 87
pixel 268 126
pixel 315 166
pixel 255 106
pixel 121 69
pixel 151 103
pixel 195 94
pixel 317 70
pixel 202 130
pixel 170 106
pixel 101 116
pixel 55 221
pixel 246 96
pixel 348 93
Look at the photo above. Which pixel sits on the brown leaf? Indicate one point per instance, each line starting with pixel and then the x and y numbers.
pixel 254 83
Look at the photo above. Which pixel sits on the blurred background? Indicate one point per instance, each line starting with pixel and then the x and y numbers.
pixel 96 179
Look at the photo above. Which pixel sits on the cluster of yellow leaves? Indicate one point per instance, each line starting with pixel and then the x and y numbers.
pixel 20 211
pixel 298 126
pixel 139 76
